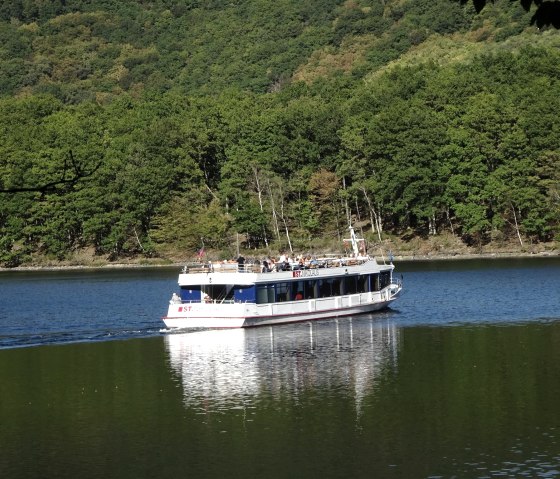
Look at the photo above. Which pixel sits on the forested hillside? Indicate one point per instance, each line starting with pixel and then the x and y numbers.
pixel 152 128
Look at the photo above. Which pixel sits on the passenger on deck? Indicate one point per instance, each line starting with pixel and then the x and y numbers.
pixel 288 263
pixel 175 299
pixel 265 267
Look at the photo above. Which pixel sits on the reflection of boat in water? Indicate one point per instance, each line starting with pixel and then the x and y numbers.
pixel 212 366
pixel 234 295
pixel 232 368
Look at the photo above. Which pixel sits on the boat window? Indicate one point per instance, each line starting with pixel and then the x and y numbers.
pixel 363 284
pixel 298 288
pixel 262 294
pixel 282 292
pixel 325 288
pixel 385 279
pixel 265 293
pixel 336 286
pixel 375 282
pixel 230 294
pixel 350 285
pixel 310 289
pixel 217 292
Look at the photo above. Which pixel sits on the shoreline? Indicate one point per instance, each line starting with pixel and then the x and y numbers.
pixel 468 256
pixel 396 258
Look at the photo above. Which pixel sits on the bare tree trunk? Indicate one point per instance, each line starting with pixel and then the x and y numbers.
pixel 516 224
pixel 346 209
pixel 337 215
pixel 138 241
pixel 259 192
pixel 285 223
pixel 274 215
pixel 357 209
pixel 211 192
pixel 375 222
pixel 379 220
pixel 450 223
pixel 432 225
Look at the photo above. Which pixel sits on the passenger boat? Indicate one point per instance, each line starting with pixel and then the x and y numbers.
pixel 244 294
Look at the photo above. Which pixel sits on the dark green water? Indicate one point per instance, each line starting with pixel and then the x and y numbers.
pixel 358 398
pixel 460 380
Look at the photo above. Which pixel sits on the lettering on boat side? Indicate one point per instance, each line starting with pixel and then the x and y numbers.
pixel 302 273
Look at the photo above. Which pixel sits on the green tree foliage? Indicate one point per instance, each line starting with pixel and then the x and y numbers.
pixel 153 127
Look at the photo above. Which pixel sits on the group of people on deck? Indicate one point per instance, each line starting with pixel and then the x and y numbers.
pixel 288 263
pixel 285 262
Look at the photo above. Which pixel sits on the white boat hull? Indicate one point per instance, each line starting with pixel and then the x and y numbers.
pixel 242 315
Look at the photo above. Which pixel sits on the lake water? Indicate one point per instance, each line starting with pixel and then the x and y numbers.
pixel 460 379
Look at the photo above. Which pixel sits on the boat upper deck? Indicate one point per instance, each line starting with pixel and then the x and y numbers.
pixel 258 267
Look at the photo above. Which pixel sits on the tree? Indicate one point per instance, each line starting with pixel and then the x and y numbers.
pixel 323 190
pixel 547 13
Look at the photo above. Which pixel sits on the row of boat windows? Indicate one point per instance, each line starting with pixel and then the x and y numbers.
pixel 289 290
pixel 321 288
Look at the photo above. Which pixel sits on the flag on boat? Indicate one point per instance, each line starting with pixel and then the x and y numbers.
pixel 201 252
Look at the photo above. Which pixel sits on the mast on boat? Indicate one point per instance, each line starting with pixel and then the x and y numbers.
pixel 354 241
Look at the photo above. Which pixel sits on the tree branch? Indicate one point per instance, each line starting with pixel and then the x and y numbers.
pixel 72 172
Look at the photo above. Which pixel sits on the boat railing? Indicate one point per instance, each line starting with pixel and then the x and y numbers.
pixel 234 267
pixel 217 267
pixel 397 281
pixel 212 301
pixel 395 286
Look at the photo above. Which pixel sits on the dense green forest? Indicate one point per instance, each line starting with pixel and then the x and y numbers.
pixel 152 128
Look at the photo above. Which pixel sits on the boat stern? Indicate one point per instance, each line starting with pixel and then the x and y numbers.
pixel 207 315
